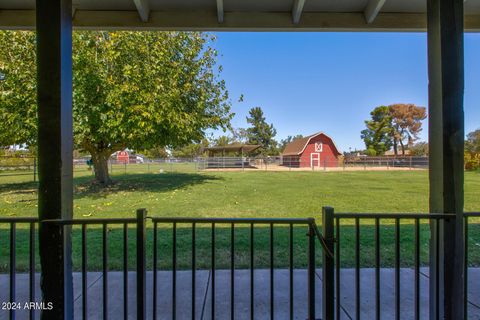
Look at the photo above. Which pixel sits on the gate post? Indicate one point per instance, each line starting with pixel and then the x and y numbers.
pixel 34 169
pixel 141 264
pixel 311 270
pixel 328 285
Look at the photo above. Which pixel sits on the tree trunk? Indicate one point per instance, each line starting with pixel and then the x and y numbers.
pixel 100 167
pixel 395 147
pixel 403 147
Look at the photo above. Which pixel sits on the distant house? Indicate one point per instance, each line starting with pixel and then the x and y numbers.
pixel 316 150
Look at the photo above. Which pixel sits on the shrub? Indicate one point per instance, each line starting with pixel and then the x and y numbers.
pixel 472 161
pixel 371 152
pixel 16 160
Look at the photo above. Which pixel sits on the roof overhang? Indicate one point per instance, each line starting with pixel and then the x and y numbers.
pixel 240 15
pixel 237 147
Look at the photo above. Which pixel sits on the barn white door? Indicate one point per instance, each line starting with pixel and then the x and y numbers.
pixel 314 160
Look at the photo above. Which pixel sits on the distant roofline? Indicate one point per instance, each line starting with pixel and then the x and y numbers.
pixel 308 141
pixel 234 147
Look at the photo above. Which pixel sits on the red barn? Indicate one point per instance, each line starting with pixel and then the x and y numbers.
pixel 123 157
pixel 317 150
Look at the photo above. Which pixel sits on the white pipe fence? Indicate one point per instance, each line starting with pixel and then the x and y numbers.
pixel 204 164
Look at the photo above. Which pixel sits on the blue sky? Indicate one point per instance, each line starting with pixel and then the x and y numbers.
pixel 310 82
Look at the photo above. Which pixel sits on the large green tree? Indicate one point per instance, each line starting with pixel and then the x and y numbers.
pixel 139 90
pixel 18 104
pixel 260 132
pixel 378 134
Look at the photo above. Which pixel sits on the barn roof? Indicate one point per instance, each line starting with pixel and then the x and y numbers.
pixel 297 146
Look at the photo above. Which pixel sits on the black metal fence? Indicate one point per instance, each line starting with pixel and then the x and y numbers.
pixel 213 223
pixel 31 224
pixel 307 226
pixel 333 224
pixel 18 166
pixel 364 225
pixel 468 217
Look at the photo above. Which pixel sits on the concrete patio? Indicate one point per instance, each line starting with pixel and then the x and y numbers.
pixel 242 294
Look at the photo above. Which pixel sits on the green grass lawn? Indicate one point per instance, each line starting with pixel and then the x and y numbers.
pixel 182 191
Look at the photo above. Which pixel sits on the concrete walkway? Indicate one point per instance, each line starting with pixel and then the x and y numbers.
pixel 242 294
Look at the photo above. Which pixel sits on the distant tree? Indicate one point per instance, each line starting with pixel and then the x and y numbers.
pixel 397 124
pixel 223 141
pixel 407 124
pixel 378 134
pixel 78 154
pixel 472 161
pixel 287 140
pixel 419 149
pixel 260 132
pixel 240 135
pixel 140 90
pixel 472 144
pixel 472 150
pixel 156 153
pixel 191 150
pixel 371 151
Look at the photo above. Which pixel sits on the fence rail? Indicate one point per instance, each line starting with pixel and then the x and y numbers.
pixel 232 223
pixel 28 168
pixel 332 224
pixel 279 163
pixel 13 223
pixel 468 216
pixel 174 224
pixel 330 239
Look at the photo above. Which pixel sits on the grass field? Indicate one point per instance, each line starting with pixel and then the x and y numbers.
pixel 182 191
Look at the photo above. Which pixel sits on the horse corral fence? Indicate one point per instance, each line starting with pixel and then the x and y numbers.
pixel 27 166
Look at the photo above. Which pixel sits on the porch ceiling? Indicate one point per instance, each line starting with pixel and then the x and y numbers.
pixel 259 15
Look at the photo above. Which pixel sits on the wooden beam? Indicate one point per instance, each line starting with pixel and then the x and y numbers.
pixel 220 11
pixel 297 10
pixel 446 147
pixel 143 9
pixel 75 6
pixel 55 153
pixel 373 9
pixel 235 21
